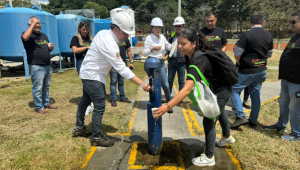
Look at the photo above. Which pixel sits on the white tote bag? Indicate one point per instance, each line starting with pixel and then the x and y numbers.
pixel 203 98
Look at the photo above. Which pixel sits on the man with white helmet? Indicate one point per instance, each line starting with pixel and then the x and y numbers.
pixel 154 46
pixel 176 62
pixel 103 54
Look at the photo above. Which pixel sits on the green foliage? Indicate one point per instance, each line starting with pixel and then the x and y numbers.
pixel 100 10
pixel 16 3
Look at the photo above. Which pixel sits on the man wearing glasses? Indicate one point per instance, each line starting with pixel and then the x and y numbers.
pixel 176 62
pixel 215 35
pixel 289 72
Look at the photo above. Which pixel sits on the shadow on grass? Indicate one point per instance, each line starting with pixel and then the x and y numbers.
pixel 105 128
pixel 32 105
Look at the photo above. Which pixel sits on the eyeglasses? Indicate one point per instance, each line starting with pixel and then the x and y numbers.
pixel 179 26
pixel 293 22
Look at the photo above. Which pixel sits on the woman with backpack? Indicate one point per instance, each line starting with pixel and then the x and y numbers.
pixel 195 48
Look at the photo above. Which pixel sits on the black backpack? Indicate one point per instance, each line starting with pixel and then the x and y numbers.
pixel 225 64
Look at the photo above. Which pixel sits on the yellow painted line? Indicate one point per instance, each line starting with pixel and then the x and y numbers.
pixel 133 154
pixel 131 119
pixel 270 81
pixel 234 160
pixel 248 110
pixel 87 159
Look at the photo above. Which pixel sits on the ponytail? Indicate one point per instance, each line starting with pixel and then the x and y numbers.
pixel 203 43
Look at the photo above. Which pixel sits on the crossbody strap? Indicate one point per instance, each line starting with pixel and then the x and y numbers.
pixel 200 74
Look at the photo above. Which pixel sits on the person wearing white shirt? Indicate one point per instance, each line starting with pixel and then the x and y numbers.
pixel 103 54
pixel 154 46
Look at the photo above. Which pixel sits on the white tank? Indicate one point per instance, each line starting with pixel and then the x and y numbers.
pixel 113 12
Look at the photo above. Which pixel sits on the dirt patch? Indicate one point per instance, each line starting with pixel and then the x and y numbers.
pixel 169 156
pixel 5 86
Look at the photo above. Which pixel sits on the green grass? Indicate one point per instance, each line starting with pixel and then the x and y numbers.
pixel 29 140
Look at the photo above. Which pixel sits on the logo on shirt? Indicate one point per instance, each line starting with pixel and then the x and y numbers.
pixel 258 63
pixel 122 44
pixel 290 45
pixel 85 44
pixel 117 55
pixel 41 42
pixel 213 38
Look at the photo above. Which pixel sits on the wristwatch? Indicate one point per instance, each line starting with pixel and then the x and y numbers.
pixel 131 62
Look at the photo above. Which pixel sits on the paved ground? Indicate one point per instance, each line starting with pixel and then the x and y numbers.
pixel 179 127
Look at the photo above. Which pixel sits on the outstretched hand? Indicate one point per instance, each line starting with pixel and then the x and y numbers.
pixel 160 111
pixel 147 87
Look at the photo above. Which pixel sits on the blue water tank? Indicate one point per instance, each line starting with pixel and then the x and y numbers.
pixel 67 27
pixel 14 21
pixel 102 24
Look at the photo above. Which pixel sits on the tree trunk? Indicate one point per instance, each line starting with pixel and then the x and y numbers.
pixel 241 27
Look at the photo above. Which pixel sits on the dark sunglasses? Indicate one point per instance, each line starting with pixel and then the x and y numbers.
pixel 293 22
pixel 179 26
pixel 84 22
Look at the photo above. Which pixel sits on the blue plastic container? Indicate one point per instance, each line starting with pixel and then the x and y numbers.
pixel 67 27
pixel 14 21
pixel 101 24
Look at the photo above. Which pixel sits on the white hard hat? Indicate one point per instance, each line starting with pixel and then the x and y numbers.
pixel 156 22
pixel 124 21
pixel 179 21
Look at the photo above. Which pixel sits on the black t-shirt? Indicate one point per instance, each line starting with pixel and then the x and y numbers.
pixel 256 43
pixel 289 65
pixel 75 42
pixel 209 69
pixel 37 49
pixel 216 36
pixel 123 47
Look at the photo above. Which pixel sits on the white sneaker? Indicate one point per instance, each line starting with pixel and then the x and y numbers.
pixel 204 161
pixel 223 141
pixel 89 109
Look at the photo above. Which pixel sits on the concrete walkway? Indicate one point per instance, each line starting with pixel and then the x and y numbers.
pixel 180 127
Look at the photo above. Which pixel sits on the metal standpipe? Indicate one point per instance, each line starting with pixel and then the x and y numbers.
pixel 153 67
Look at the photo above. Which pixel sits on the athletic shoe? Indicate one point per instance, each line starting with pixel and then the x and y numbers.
pixel 290 137
pixel 114 103
pixel 246 105
pixel 125 100
pixel 204 161
pixel 224 142
pixel 275 127
pixel 105 142
pixel 81 132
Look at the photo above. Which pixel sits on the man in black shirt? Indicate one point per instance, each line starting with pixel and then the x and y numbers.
pixel 115 77
pixel 38 50
pixel 289 72
pixel 251 53
pixel 215 35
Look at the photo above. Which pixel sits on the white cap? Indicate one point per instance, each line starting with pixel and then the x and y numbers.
pixel 124 21
pixel 178 21
pixel 156 22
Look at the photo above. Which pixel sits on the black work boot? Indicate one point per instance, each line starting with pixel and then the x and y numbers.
pixel 80 132
pixel 239 122
pixel 114 103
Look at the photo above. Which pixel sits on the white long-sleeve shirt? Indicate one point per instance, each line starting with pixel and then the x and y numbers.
pixel 152 41
pixel 103 54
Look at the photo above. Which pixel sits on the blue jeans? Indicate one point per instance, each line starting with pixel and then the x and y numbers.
pixel 78 64
pixel 289 106
pixel 254 82
pixel 40 78
pixel 93 91
pixel 115 78
pixel 174 67
pixel 164 79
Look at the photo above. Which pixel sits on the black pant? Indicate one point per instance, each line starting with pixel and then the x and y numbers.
pixel 246 94
pixel 210 125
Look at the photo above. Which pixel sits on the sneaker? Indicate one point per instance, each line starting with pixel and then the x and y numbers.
pixel 246 105
pixel 125 100
pixel 252 125
pixel 239 122
pixel 164 100
pixel 89 109
pixel 204 161
pixel 80 132
pixel 290 137
pixel 114 103
pixel 170 111
pixel 275 127
pixel 105 142
pixel 224 142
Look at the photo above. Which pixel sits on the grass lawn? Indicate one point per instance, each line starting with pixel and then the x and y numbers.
pixel 264 149
pixel 29 140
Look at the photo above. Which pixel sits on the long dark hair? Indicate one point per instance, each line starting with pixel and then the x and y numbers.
pixel 192 35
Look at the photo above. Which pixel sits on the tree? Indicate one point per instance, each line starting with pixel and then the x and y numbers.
pixel 100 10
pixel 16 3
